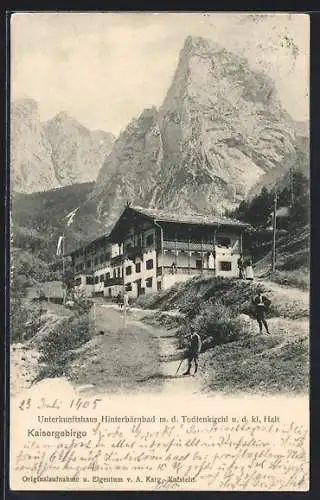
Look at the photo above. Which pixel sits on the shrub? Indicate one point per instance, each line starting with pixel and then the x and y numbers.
pixel 57 347
pixel 82 306
pixel 218 322
pixel 191 309
pixel 19 315
pixel 25 318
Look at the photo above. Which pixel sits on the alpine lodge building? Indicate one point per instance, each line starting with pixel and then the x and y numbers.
pixel 149 250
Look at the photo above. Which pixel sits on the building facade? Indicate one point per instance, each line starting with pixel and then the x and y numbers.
pixel 92 266
pixel 149 250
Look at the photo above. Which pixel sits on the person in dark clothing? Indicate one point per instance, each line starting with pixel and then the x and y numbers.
pixel 173 268
pixel 241 267
pixel 261 304
pixel 193 352
pixel 120 300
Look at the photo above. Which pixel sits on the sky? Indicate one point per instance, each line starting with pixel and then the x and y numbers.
pixel 105 68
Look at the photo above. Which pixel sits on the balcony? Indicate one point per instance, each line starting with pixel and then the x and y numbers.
pixel 113 281
pixel 206 271
pixel 133 252
pixel 117 260
pixel 186 246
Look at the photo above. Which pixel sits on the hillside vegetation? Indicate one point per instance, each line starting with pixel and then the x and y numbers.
pixel 235 357
pixel 38 219
pixel 293 231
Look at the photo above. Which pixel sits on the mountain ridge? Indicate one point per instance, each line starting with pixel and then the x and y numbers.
pixel 220 129
pixel 54 153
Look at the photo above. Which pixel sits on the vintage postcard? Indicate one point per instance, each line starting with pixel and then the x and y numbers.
pixel 159 335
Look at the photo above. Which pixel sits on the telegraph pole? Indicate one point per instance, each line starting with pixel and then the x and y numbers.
pixel 291 186
pixel 63 270
pixel 274 232
pixel 124 289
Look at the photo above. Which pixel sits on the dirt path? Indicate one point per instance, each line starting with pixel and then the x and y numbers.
pixel 137 358
pixel 170 359
pixel 290 292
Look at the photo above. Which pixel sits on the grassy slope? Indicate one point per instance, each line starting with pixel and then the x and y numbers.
pixel 38 219
pixel 292 260
pixel 254 363
pixel 266 364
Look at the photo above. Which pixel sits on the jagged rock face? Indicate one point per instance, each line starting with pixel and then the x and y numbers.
pixel 132 169
pixel 218 131
pixel 77 153
pixel 31 163
pixel 56 153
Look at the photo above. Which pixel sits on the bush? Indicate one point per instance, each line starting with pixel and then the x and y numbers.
pixel 19 315
pixel 82 306
pixel 25 319
pixel 217 322
pixel 57 347
pixel 191 309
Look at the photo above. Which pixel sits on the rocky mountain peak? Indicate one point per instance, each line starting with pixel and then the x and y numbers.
pixel 220 129
pixel 59 152
pixel 199 45
pixel 25 104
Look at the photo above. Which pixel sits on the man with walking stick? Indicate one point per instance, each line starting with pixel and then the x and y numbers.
pixel 193 353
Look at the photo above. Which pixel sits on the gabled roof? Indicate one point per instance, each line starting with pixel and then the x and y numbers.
pixel 88 244
pixel 192 218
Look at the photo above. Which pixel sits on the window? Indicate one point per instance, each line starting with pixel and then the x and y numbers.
pixel 109 292
pixel 199 264
pixel 89 280
pixel 128 287
pixel 77 282
pixel 118 272
pixel 225 266
pixel 149 240
pixel 158 285
pixel 96 261
pixel 101 278
pixel 223 242
pixel 96 279
pixel 107 257
pixel 114 273
pixel 138 267
pixel 88 263
pixel 128 270
pixel 149 283
pixel 149 264
pixel 101 259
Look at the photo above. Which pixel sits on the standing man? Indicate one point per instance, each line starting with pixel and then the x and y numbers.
pixel 126 301
pixel 119 300
pixel 262 304
pixel 241 266
pixel 193 352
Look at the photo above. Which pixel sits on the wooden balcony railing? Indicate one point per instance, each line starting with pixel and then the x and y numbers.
pixel 133 252
pixel 185 245
pixel 118 259
pixel 188 270
pixel 113 281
